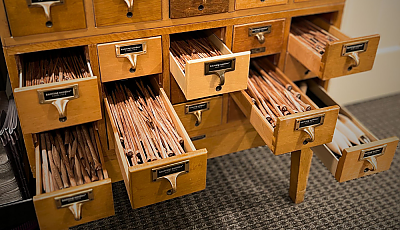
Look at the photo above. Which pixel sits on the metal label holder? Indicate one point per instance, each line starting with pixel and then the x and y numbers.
pixel 308 124
pixel 171 172
pixel 352 50
pixel 259 32
pixel 219 68
pixel 197 110
pixel 371 154
pixel 74 202
pixel 46 5
pixel 59 97
pixel 131 51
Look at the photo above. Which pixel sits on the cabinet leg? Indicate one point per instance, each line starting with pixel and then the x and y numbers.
pixel 299 170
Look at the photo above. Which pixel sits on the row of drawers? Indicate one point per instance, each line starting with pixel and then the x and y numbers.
pixel 205 114
pixel 38 16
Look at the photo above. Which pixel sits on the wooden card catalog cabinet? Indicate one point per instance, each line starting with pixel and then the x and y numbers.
pixel 28 17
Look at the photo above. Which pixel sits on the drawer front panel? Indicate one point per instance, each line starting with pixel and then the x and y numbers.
pixel 28 20
pixel 200 114
pixel 196 82
pixel 37 117
pixel 115 58
pixel 354 162
pixel 248 4
pixel 261 38
pixel 288 135
pixel 183 9
pixel 142 189
pixel 343 57
pixel 116 12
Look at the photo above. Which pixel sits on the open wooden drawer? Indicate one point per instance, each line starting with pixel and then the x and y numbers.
pixel 163 179
pixel 343 57
pixel 359 160
pixel 72 206
pixel 56 105
pixel 292 132
pixel 213 75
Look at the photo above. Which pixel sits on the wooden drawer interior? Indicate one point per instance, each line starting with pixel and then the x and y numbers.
pixel 127 59
pixel 141 187
pixel 337 59
pixel 248 4
pixel 27 20
pixel 200 114
pixel 40 106
pixel 260 38
pixel 352 164
pixel 184 9
pixel 72 206
pixel 195 82
pixel 116 12
pixel 284 137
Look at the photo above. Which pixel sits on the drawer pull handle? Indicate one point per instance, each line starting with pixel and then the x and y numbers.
pixel 311 133
pixel 61 106
pixel 131 52
pixel 373 162
pixel 172 180
pixel 260 37
pixel 355 58
pixel 133 60
pixel 221 75
pixel 170 173
pixel 197 110
pixel 46 7
pixel 129 4
pixel 198 115
pixel 76 210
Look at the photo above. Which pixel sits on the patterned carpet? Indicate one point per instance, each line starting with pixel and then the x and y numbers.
pixel 249 190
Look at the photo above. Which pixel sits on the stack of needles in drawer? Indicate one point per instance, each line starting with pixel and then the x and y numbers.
pixel 314 36
pixel 69 157
pixel 189 48
pixel 272 96
pixel 54 66
pixel 146 130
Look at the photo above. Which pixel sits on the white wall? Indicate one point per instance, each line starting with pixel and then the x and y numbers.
pixel 365 17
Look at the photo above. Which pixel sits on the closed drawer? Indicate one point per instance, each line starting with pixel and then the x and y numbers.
pixel 342 57
pixel 61 209
pixel 200 114
pixel 210 76
pixel 128 59
pixel 44 107
pixel 118 12
pixel 356 161
pixel 27 17
pixel 261 38
pixel 183 9
pixel 290 132
pixel 248 4
pixel 153 181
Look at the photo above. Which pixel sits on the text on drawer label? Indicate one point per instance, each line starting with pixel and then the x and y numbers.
pixel 197 107
pixel 170 169
pixel 376 151
pixel 354 47
pixel 310 121
pixel 70 199
pixel 226 65
pixel 257 30
pixel 138 48
pixel 46 96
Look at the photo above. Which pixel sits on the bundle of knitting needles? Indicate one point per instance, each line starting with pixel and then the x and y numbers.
pixel 314 36
pixel 187 47
pixel 70 157
pixel 54 66
pixel 146 130
pixel 272 96
pixel 346 135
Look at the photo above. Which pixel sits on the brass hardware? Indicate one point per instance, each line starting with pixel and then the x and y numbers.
pixel 76 210
pixel 129 4
pixel 351 50
pixel 308 125
pixel 371 154
pixel 74 202
pixel 59 97
pixel 219 68
pixel 171 173
pixel 197 110
pixel 131 51
pixel 46 5
pixel 259 33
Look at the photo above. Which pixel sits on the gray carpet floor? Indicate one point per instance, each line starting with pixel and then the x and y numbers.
pixel 249 190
